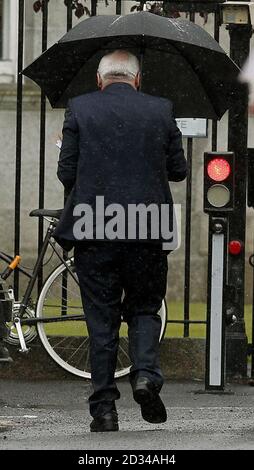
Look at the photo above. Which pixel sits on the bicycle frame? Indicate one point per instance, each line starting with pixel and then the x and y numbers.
pixel 32 279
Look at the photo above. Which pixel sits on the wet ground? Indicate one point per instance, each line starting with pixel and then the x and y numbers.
pixel 54 415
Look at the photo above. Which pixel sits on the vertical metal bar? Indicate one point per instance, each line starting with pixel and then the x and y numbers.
pixel 252 329
pixel 118 7
pixel 69 15
pixel 93 7
pixel 237 142
pixel 1 28
pixel 64 299
pixel 142 4
pixel 186 329
pixel 42 142
pixel 217 38
pixel 250 203
pixel 188 238
pixel 18 140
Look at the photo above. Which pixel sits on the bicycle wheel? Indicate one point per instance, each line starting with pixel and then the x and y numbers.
pixel 64 332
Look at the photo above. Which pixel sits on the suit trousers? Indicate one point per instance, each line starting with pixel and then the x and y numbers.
pixel 105 271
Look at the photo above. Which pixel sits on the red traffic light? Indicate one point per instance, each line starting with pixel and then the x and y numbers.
pixel 235 247
pixel 218 169
pixel 219 188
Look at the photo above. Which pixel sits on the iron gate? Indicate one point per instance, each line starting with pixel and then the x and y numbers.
pixel 237 142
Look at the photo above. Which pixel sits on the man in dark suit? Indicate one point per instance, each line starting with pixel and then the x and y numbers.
pixel 120 147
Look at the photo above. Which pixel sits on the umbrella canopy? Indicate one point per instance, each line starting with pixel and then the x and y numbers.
pixel 180 61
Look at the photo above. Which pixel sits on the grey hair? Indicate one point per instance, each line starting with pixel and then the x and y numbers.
pixel 119 63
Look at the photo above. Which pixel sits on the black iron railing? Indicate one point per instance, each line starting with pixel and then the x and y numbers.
pixel 192 8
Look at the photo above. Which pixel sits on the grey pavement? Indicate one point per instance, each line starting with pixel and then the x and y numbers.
pixel 54 415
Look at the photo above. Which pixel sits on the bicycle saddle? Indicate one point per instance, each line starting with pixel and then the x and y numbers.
pixel 56 214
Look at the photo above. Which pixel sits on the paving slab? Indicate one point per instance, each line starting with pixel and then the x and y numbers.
pixel 53 414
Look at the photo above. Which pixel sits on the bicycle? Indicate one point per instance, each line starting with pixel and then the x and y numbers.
pixel 57 316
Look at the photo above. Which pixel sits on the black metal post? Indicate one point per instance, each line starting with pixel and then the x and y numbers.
pixel 93 7
pixel 188 238
pixel 42 142
pixel 142 3
pixel 252 329
pixel 64 299
pixel 18 140
pixel 69 14
pixel 186 330
pixel 217 38
pixel 236 338
pixel 118 7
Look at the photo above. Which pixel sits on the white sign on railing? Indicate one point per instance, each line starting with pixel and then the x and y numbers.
pixel 192 127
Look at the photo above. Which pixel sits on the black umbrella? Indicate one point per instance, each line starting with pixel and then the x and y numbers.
pixel 180 61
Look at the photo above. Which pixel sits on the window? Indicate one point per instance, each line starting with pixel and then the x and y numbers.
pixel 8 40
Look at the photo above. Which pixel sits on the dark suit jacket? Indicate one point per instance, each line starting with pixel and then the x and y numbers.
pixel 120 144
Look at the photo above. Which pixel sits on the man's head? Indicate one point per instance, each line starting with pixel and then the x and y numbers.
pixel 118 66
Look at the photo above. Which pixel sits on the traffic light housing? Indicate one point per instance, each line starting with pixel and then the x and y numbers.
pixel 219 171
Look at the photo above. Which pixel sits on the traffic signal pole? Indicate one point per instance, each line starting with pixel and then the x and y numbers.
pixel 218 203
pixel 236 339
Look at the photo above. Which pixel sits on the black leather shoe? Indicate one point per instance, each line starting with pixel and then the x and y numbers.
pixel 146 395
pixel 105 423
